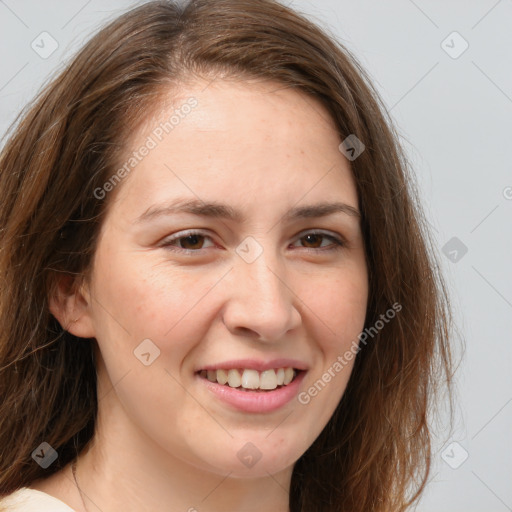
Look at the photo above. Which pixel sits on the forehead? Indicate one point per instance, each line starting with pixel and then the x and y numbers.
pixel 251 143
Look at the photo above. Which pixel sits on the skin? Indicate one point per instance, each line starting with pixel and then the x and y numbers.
pixel 163 441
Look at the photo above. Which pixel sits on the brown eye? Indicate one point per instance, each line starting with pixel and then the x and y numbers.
pixel 191 242
pixel 315 241
pixel 187 242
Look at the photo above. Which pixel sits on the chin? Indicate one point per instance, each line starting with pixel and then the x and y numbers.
pixel 249 461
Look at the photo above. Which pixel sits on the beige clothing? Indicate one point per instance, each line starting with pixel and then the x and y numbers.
pixel 32 500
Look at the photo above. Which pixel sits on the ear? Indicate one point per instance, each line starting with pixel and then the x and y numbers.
pixel 70 304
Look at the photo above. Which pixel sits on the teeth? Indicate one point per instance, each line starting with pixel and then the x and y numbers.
pixel 268 379
pixel 234 379
pixel 251 379
pixel 222 376
pixel 288 375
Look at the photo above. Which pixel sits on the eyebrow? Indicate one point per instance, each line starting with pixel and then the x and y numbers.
pixel 223 211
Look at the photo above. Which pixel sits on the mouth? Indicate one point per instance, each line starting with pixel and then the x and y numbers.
pixel 251 380
pixel 251 386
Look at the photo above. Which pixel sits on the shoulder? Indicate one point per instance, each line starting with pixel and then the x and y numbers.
pixel 32 500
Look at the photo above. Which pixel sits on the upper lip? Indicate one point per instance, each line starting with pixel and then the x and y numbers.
pixel 254 364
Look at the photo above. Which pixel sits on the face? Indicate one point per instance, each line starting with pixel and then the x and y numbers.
pixel 217 254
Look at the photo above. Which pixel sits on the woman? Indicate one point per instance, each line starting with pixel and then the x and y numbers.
pixel 218 291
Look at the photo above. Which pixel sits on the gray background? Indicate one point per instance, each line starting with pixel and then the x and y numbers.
pixel 454 114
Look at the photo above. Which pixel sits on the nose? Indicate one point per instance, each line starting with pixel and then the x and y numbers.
pixel 261 302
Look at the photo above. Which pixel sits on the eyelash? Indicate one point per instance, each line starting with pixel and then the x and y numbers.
pixel 338 242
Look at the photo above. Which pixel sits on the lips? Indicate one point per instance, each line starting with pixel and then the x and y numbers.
pixel 258 401
pixel 254 385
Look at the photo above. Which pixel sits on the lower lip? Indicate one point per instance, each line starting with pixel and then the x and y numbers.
pixel 255 401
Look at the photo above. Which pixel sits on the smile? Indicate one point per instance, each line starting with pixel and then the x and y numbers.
pixel 251 391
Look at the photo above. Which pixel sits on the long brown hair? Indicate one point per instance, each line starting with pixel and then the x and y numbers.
pixel 375 452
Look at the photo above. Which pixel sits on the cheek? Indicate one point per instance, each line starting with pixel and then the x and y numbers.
pixel 337 318
pixel 337 304
pixel 145 297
